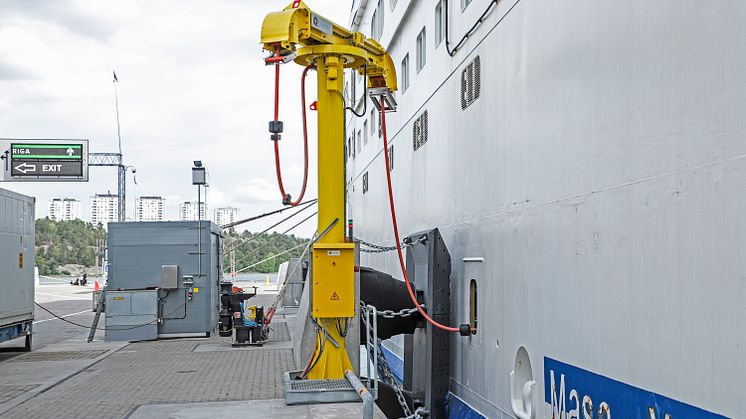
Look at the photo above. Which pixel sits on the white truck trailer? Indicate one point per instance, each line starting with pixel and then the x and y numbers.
pixel 17 256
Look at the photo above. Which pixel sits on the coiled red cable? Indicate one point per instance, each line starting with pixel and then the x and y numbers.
pixel 396 229
pixel 286 198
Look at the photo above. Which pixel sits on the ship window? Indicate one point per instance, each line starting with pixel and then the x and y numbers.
pixel 376 22
pixel 391 158
pixel 380 19
pixel 372 121
pixel 419 131
pixel 380 121
pixel 470 82
pixel 465 4
pixel 439 23
pixel 473 305
pixel 421 50
pixel 365 182
pixel 374 25
pixel 359 145
pixel 405 73
pixel 353 88
pixel 365 133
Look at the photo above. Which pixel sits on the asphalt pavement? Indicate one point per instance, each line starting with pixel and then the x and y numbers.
pixel 73 303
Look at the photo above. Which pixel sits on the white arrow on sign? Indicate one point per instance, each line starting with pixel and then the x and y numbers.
pixel 70 152
pixel 25 168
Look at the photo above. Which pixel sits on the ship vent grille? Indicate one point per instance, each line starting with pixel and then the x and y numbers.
pixel 391 157
pixel 470 83
pixel 419 131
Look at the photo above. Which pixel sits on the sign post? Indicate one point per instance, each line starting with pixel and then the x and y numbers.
pixel 44 160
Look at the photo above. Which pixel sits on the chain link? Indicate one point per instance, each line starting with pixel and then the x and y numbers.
pixel 418 414
pixel 405 312
pixel 385 369
pixel 377 248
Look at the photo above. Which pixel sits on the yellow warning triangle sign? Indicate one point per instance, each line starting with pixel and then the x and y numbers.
pixel 334 296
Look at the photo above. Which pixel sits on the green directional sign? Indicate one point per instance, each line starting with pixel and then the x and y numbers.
pixel 47 151
pixel 45 160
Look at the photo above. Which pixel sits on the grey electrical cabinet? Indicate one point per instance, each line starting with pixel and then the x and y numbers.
pixel 131 315
pixel 181 261
pixel 169 277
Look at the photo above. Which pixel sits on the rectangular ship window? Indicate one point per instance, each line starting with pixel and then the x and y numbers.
pixel 421 50
pixel 439 23
pixel 405 73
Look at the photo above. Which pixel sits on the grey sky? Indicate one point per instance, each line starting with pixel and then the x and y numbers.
pixel 192 85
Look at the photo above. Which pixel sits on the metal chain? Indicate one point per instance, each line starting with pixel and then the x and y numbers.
pixel 377 248
pixel 405 312
pixel 418 414
pixel 385 370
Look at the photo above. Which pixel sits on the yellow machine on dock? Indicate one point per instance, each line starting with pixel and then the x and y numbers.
pixel 298 34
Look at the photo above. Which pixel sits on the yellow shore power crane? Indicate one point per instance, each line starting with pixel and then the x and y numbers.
pixel 298 34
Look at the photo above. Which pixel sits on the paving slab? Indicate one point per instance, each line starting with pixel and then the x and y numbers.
pixel 161 372
pixel 26 376
pixel 270 409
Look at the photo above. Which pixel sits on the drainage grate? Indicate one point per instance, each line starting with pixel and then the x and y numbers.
pixel 311 385
pixel 10 392
pixel 317 391
pixel 59 356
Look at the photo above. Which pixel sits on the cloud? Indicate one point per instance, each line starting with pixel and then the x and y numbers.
pixel 12 72
pixel 256 191
pixel 63 13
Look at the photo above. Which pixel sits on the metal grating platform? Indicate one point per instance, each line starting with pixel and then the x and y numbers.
pixel 320 385
pixel 59 356
pixel 299 391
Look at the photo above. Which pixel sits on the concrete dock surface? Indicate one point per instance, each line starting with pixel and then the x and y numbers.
pixel 65 377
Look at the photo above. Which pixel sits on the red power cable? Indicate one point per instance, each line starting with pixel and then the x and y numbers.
pixel 286 199
pixel 396 229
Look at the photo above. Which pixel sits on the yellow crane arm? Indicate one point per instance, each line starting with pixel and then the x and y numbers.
pixel 284 31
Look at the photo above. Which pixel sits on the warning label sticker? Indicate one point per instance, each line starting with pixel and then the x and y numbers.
pixel 334 296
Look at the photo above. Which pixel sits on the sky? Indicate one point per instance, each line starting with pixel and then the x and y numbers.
pixel 192 86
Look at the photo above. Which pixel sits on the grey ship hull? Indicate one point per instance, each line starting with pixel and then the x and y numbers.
pixel 595 190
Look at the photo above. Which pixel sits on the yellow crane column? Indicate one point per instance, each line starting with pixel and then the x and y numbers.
pixel 330 48
pixel 333 264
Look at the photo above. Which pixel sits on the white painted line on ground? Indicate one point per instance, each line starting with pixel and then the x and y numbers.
pixel 66 315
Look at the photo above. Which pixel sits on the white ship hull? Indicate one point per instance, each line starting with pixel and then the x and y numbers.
pixel 595 190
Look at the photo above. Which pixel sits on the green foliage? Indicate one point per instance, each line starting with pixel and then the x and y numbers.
pixel 65 242
pixel 261 246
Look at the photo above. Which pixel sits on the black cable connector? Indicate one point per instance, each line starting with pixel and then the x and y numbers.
pixel 275 127
pixel 464 329
pixel 287 200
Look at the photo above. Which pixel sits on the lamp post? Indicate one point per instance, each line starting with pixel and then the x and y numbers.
pixel 199 178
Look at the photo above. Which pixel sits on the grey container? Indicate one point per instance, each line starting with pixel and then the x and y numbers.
pixel 17 256
pixel 138 253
